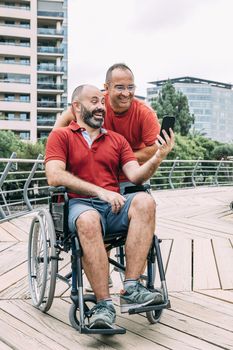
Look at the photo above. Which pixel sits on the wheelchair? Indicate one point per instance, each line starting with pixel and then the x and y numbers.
pixel 49 236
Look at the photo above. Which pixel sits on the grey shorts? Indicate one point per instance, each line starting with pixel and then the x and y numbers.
pixel 111 223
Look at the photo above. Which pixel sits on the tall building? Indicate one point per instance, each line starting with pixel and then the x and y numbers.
pixel 210 101
pixel 33 65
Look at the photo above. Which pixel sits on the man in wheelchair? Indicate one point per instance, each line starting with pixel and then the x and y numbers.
pixel 86 159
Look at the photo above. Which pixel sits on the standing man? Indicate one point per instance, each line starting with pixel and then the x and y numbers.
pixel 125 114
pixel 75 157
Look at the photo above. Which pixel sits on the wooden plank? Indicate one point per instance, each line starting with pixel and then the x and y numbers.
pixel 18 290
pixel 130 340
pixel 178 274
pixel 4 346
pixel 204 300
pixel 224 257
pixel 205 275
pixel 5 236
pixel 46 330
pixel 197 308
pixel 5 245
pixel 197 328
pixel 12 257
pixel 22 222
pixel 224 295
pixel 166 333
pixel 14 231
pixel 13 276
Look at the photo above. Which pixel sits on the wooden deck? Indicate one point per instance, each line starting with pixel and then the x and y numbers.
pixel 196 227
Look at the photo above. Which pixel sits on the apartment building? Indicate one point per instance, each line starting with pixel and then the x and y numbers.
pixel 210 101
pixel 33 65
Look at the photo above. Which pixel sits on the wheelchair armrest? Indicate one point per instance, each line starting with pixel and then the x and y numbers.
pixel 138 188
pixel 57 189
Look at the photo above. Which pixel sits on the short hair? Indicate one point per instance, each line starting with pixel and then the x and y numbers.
pixel 77 93
pixel 121 66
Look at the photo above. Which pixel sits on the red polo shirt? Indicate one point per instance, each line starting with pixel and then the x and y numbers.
pixel 99 164
pixel 139 125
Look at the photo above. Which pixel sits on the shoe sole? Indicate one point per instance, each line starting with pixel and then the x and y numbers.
pixel 126 307
pixel 101 324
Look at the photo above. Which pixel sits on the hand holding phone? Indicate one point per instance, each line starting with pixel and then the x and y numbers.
pixel 167 123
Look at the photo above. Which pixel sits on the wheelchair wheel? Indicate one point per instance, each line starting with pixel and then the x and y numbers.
pixel 89 302
pixel 42 260
pixel 154 316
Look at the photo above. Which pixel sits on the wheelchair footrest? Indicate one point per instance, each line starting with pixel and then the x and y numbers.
pixel 107 331
pixel 141 309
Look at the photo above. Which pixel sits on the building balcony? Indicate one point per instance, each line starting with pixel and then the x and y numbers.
pixel 15 7
pixel 50 32
pixel 50 50
pixel 50 14
pixel 49 68
pixel 50 86
pixel 45 121
pixel 50 104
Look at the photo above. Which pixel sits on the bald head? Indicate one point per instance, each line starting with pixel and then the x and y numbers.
pixel 88 106
pixel 83 90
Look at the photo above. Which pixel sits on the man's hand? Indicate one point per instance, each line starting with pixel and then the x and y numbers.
pixel 165 146
pixel 115 199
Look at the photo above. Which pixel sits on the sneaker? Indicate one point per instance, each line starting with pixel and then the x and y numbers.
pixel 110 285
pixel 137 296
pixel 103 315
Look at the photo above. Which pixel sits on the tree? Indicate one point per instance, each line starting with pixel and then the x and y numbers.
pixel 9 143
pixel 223 151
pixel 174 103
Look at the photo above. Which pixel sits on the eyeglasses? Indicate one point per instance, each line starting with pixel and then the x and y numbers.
pixel 121 88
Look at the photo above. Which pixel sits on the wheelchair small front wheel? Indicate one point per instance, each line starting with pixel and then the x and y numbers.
pixel 154 316
pixel 42 260
pixel 89 301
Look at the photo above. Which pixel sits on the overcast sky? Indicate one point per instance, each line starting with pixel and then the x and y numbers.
pixel 158 39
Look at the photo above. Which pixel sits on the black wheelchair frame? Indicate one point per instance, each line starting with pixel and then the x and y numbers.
pixel 49 236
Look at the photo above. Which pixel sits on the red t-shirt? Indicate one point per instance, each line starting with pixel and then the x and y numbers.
pixel 99 164
pixel 139 125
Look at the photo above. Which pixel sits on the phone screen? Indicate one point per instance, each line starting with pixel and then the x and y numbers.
pixel 167 123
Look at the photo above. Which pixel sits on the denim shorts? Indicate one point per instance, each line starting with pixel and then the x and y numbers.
pixel 111 223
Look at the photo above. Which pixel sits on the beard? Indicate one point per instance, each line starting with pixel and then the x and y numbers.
pixel 90 119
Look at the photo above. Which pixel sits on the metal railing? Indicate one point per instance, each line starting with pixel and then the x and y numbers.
pixel 23 185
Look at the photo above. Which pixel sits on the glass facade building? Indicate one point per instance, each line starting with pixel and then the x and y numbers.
pixel 211 102
pixel 33 65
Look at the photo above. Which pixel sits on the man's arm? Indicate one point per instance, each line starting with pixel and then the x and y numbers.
pixel 58 176
pixel 65 118
pixel 145 153
pixel 139 174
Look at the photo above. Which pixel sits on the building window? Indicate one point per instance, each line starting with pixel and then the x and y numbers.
pixel 24 60
pixel 9 97
pixel 9 59
pixel 23 135
pixel 14 78
pixel 24 98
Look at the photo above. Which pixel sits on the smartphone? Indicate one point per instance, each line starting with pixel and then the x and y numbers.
pixel 167 123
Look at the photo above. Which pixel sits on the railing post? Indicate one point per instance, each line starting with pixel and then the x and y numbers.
pixel 217 171
pixel 9 166
pixel 193 173
pixel 171 173
pixel 28 181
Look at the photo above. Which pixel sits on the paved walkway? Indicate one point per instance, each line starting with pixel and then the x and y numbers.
pixel 196 227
